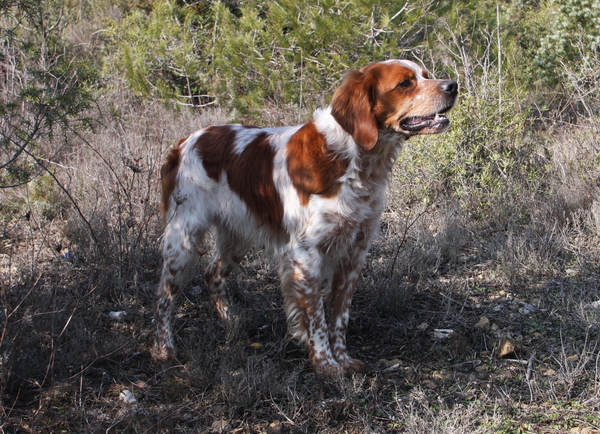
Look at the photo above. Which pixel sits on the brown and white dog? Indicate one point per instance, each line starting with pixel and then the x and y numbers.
pixel 311 194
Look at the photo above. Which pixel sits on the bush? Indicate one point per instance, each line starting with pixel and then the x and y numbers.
pixel 572 36
pixel 46 89
pixel 242 55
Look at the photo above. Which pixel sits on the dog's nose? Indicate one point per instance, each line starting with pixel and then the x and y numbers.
pixel 450 87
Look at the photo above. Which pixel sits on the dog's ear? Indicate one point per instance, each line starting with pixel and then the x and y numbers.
pixel 352 108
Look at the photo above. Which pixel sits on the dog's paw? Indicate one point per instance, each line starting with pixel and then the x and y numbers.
pixel 163 353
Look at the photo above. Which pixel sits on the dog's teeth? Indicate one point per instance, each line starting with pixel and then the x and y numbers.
pixel 437 117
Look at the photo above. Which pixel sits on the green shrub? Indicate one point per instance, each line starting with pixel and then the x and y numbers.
pixel 159 53
pixel 244 55
pixel 573 35
pixel 45 92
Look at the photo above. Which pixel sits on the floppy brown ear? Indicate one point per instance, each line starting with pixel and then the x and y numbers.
pixel 352 108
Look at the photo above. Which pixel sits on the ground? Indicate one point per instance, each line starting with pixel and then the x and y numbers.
pixel 457 351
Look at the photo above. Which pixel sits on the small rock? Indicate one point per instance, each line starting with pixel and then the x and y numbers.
pixel 595 304
pixel 117 315
pixel 526 308
pixel 508 347
pixel 127 397
pixel 483 323
pixel 442 333
pixel 274 428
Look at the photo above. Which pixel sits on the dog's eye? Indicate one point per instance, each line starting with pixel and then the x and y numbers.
pixel 405 84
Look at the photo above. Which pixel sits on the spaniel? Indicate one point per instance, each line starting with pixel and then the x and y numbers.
pixel 311 194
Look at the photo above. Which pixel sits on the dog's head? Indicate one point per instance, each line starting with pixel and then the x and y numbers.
pixel 394 95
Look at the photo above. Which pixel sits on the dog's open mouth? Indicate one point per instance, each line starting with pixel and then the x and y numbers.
pixel 414 124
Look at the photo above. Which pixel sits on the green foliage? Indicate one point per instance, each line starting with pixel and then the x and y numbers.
pixel 290 51
pixel 46 195
pixel 573 35
pixel 287 52
pixel 47 87
pixel 243 55
pixel 159 53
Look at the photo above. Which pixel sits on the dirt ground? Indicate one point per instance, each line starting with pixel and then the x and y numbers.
pixel 452 352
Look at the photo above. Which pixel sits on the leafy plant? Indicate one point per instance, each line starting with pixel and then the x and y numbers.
pixel 573 36
pixel 243 55
pixel 46 92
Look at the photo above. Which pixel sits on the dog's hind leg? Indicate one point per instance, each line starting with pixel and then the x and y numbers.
pixel 181 240
pixel 230 251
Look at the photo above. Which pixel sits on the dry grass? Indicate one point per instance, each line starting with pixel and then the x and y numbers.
pixel 65 362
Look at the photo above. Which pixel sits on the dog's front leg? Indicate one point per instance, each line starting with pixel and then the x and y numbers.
pixel 339 300
pixel 342 286
pixel 301 284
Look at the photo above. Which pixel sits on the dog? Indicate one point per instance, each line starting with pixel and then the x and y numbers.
pixel 310 194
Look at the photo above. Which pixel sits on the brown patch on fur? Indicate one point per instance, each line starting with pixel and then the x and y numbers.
pixel 214 147
pixel 397 99
pixel 168 175
pixel 250 176
pixel 312 167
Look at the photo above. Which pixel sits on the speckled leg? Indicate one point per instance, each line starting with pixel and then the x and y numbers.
pixel 300 277
pixel 230 250
pixel 179 250
pixel 343 285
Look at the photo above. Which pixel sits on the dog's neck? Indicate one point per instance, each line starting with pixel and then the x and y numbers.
pixel 366 170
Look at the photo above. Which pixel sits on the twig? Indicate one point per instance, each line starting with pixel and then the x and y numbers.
pixel 405 235
pixel 470 362
pixel 518 361
pixel 530 367
pixel 281 411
